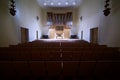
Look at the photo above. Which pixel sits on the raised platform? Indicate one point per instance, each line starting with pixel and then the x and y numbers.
pixel 60 40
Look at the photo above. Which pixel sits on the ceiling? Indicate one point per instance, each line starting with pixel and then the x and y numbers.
pixel 59 3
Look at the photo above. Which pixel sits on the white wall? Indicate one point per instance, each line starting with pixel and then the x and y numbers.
pixel 45 28
pixel 92 13
pixel 111 26
pixel 8 28
pixel 27 10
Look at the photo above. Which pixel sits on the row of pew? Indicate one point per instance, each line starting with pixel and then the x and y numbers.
pixel 59 70
pixel 59 60
pixel 61 43
pixel 59 54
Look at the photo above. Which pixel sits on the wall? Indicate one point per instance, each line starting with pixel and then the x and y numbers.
pixel 110 26
pixel 92 13
pixel 8 27
pixel 27 13
pixel 25 17
pixel 45 28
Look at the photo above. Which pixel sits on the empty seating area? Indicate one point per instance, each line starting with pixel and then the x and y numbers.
pixel 59 60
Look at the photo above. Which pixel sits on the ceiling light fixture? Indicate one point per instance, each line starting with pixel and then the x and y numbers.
pixel 107 8
pixel 12 8
pixel 51 3
pixel 66 3
pixel 45 4
pixel 74 3
pixel 59 3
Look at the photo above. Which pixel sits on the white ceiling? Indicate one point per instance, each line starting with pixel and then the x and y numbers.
pixel 59 3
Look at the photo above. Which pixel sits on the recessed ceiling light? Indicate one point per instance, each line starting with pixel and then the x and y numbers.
pixel 45 4
pixel 66 3
pixel 59 3
pixel 51 3
pixel 74 3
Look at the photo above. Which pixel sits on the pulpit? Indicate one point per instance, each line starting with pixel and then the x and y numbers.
pixel 59 36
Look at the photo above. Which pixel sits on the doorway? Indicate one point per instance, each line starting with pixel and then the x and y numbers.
pixel 94 35
pixel 24 35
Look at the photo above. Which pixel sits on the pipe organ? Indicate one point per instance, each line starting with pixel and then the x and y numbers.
pixel 59 28
pixel 59 18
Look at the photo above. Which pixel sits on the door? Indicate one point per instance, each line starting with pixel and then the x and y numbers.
pixel 24 35
pixel 94 35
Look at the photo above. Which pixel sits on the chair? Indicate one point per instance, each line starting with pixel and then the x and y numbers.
pixel 7 71
pixel 22 69
pixel 70 68
pixel 53 68
pixel 38 68
pixel 86 68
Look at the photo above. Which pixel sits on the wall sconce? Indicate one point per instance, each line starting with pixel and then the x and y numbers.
pixel 12 8
pixel 37 17
pixel 107 9
pixel 81 18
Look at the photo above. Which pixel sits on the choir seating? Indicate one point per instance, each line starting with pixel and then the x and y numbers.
pixel 61 60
